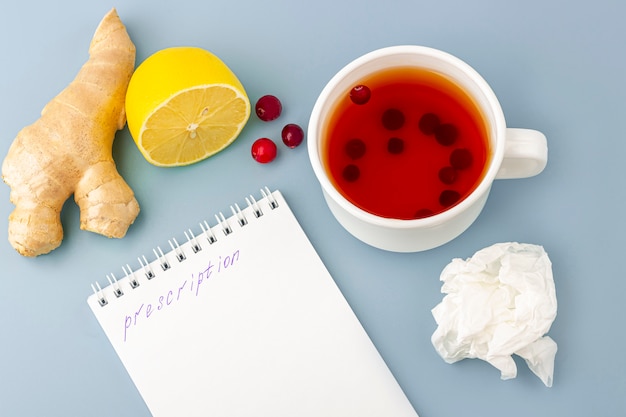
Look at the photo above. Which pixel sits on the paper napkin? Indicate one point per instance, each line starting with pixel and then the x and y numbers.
pixel 500 302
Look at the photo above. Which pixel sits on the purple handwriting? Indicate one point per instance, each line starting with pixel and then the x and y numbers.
pixel 187 289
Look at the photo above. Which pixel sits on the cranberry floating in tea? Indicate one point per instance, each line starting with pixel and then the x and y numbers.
pixel 355 148
pixel 461 158
pixel 428 123
pixel 392 119
pixel 360 94
pixel 395 145
pixel 448 198
pixel 446 134
pixel 351 173
pixel 447 175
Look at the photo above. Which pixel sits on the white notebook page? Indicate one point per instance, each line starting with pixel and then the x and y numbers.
pixel 251 325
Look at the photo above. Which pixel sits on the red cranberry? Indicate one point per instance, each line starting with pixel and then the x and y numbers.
pixel 428 122
pixel 461 158
pixel 292 135
pixel 355 148
pixel 395 146
pixel 268 108
pixel 446 134
pixel 264 150
pixel 393 119
pixel 447 175
pixel 448 198
pixel 424 212
pixel 351 173
pixel 360 94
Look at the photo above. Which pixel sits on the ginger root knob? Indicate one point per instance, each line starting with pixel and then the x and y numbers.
pixel 68 150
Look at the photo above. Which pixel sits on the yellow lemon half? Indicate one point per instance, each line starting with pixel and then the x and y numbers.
pixel 183 104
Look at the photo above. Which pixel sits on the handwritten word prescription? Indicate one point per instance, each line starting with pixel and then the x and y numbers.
pixel 182 291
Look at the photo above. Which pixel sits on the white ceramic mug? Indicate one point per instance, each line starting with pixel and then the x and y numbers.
pixel 515 153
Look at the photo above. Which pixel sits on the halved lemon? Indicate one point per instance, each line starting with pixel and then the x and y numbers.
pixel 183 104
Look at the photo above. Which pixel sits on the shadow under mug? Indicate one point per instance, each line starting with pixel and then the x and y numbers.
pixel 515 153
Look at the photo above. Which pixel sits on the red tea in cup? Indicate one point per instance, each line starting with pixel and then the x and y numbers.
pixel 406 143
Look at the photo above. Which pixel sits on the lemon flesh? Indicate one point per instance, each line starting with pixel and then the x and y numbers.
pixel 183 105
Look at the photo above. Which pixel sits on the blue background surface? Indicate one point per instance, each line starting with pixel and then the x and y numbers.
pixel 556 66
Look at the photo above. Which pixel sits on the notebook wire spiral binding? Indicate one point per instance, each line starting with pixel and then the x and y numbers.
pixel 177 251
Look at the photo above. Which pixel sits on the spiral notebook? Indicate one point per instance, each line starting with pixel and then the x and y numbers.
pixel 243 319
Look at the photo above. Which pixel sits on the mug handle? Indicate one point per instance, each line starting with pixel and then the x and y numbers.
pixel 525 154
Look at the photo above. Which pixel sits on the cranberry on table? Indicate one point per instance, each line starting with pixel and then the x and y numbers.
pixel 268 108
pixel 292 135
pixel 264 150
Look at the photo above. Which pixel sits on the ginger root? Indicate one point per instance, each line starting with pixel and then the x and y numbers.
pixel 68 150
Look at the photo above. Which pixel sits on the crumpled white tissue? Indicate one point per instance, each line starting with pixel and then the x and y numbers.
pixel 499 302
